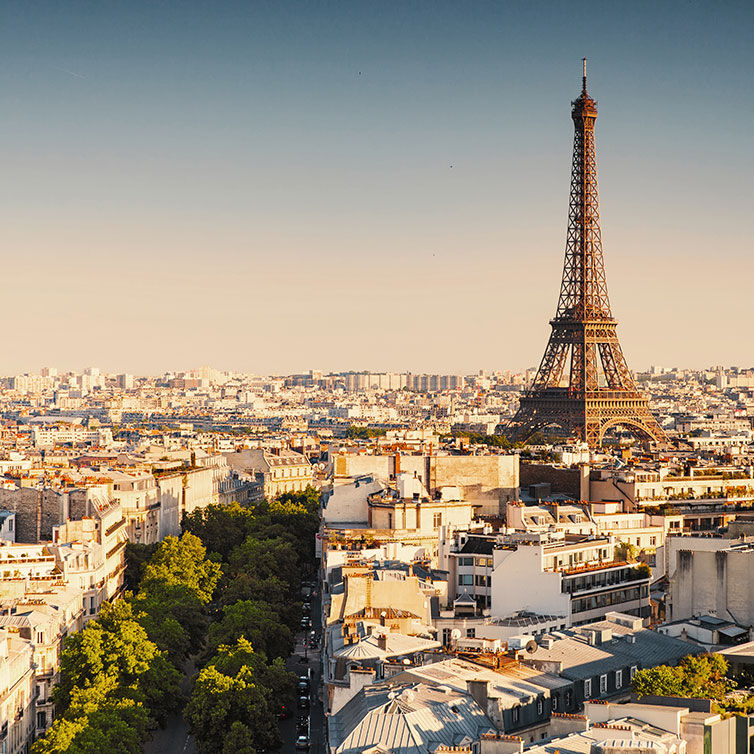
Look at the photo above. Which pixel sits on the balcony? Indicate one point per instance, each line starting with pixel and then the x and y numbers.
pixel 600 565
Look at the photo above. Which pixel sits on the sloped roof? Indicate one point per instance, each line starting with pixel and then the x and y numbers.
pixel 397 644
pixel 511 685
pixel 583 660
pixel 412 719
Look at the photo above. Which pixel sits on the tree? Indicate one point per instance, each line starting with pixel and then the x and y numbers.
pixel 96 722
pixel 238 686
pixel 626 551
pixel 113 657
pixel 183 561
pixel 137 555
pixel 239 740
pixel 267 558
pixel 258 622
pixel 695 676
pixel 173 616
pixel 112 650
pixel 221 528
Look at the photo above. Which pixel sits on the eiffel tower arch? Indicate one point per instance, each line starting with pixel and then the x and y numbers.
pixel 583 383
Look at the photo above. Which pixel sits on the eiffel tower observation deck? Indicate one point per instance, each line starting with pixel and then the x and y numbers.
pixel 583 384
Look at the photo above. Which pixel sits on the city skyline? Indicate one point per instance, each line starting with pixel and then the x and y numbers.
pixel 269 187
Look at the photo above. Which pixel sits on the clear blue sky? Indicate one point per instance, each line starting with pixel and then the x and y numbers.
pixel 268 186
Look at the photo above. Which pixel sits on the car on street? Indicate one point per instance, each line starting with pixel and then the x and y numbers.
pixel 303 702
pixel 302 742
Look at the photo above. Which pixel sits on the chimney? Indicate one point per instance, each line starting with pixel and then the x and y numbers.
pixel 382 642
pixel 383 616
pixel 478 691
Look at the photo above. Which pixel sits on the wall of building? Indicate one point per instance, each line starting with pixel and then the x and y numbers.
pixel 487 480
pixel 347 503
pixel 562 481
pixel 714 583
pixel 519 583
pixel 26 502
pixel 171 503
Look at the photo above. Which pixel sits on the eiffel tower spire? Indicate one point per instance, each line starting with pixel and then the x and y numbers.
pixel 583 383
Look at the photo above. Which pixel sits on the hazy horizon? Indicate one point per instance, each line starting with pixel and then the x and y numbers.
pixel 271 187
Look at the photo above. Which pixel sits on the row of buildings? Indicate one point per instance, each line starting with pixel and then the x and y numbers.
pixel 465 608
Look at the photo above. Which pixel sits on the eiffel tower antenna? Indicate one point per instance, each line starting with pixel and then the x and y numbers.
pixel 583 383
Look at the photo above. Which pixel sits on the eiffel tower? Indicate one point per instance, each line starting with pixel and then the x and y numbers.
pixel 597 391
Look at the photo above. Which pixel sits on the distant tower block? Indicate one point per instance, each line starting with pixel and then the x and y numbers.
pixel 583 384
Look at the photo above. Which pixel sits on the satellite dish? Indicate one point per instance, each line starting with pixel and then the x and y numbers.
pixel 531 646
pixel 455 634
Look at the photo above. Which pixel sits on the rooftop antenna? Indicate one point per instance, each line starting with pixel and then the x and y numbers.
pixel 583 80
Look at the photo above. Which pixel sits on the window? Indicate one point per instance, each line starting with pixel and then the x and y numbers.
pixel 470 633
pixel 465 579
pixel 632 672
pixel 555 702
pixel 465 561
pixel 588 688
pixel 40 637
pixel 436 520
pixel 516 711
pixel 481 580
pixel 446 636
pixel 568 697
pixel 618 679
pixel 603 685
pixel 41 720
pixel 540 705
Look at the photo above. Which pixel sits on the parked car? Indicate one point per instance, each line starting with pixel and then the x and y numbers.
pixel 303 701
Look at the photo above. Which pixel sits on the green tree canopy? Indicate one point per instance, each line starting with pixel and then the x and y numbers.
pixel 183 561
pixel 257 621
pixel 236 687
pixel 695 676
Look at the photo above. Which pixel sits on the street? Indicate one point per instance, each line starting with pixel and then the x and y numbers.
pixel 174 738
pixel 297 664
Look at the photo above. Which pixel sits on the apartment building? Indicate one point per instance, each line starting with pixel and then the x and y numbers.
pixel 486 481
pixel 577 577
pixel 138 495
pixel 17 722
pixel 280 472
pixel 409 506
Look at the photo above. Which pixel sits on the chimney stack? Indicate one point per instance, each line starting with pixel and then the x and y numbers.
pixel 478 690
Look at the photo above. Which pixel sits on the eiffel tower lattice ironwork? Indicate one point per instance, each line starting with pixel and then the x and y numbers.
pixel 583 384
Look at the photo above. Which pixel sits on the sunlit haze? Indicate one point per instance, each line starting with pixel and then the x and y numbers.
pixel 271 187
